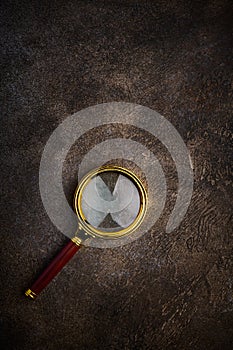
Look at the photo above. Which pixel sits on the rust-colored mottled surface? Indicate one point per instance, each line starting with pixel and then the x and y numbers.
pixel 163 291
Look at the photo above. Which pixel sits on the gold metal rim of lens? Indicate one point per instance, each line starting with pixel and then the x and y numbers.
pixel 123 232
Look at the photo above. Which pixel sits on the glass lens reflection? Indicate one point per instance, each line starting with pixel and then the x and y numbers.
pixel 110 201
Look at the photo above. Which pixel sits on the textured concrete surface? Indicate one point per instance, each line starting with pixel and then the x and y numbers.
pixel 162 291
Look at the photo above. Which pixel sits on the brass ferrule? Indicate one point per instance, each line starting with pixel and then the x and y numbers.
pixel 76 240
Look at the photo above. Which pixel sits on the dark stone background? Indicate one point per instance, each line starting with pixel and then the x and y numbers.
pixel 162 291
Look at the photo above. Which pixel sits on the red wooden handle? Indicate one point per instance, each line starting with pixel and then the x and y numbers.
pixel 52 270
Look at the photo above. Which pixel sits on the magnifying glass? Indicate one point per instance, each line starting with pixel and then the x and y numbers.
pixel 110 202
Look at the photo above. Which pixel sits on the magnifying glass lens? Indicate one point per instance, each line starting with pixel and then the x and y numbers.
pixel 110 201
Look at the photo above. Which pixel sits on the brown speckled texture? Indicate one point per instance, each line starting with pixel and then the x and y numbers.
pixel 164 291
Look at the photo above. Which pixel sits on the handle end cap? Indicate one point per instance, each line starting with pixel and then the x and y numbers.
pixel 30 293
